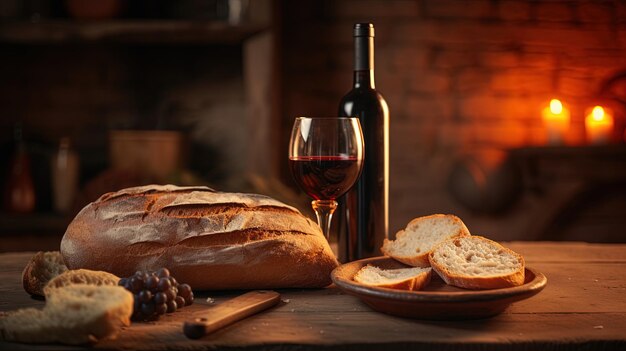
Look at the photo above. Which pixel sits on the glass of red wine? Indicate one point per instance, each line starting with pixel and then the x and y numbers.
pixel 326 158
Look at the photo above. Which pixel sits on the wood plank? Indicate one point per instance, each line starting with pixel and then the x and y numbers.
pixel 542 251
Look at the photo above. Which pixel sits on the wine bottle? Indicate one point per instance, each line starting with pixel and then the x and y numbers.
pixel 365 214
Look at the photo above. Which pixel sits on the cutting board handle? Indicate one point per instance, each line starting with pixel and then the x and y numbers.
pixel 230 312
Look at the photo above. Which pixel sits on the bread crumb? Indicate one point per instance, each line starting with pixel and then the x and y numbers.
pixel 598 327
pixel 321 332
pixel 210 300
pixel 595 280
pixel 286 300
pixel 253 328
pixel 293 310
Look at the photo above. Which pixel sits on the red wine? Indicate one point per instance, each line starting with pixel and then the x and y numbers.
pixel 325 177
pixel 364 213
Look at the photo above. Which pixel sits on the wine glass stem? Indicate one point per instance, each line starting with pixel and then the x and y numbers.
pixel 324 210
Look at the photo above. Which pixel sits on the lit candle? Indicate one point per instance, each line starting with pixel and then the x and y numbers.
pixel 599 125
pixel 556 119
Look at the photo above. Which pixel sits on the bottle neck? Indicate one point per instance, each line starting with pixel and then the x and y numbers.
pixel 364 62
pixel 364 79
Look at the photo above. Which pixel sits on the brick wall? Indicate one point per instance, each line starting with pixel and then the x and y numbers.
pixel 460 77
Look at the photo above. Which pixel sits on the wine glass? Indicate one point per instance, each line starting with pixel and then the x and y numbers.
pixel 326 158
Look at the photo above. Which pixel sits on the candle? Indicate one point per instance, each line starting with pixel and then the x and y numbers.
pixel 599 125
pixel 556 119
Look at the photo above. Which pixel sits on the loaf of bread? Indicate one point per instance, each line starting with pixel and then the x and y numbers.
pixel 210 240
pixel 41 268
pixel 412 278
pixel 74 314
pixel 421 235
pixel 475 262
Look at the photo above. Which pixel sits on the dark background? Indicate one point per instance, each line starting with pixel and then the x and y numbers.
pixel 465 80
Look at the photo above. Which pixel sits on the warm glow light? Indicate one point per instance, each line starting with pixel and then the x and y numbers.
pixel 556 119
pixel 555 106
pixel 598 113
pixel 599 125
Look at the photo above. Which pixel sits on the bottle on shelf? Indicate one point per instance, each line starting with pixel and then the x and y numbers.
pixel 365 209
pixel 19 196
pixel 64 172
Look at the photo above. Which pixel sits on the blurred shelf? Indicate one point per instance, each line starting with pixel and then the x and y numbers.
pixel 11 224
pixel 127 31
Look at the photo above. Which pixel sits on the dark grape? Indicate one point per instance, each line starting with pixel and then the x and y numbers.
pixel 190 299
pixel 171 306
pixel 164 285
pixel 173 281
pixel 171 295
pixel 143 276
pixel 147 309
pixel 145 296
pixel 136 284
pixel 160 298
pixel 184 290
pixel 122 282
pixel 152 282
pixel 163 272
pixel 180 301
pixel 161 308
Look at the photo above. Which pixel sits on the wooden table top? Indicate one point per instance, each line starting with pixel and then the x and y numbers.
pixel 583 306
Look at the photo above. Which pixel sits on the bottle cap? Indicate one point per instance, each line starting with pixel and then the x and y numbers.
pixel 364 30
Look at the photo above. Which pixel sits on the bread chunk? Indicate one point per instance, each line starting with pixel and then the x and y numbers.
pixel 41 268
pixel 81 276
pixel 413 278
pixel 74 314
pixel 421 235
pixel 475 262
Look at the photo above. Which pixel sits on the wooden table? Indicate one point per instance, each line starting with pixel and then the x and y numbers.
pixel 582 307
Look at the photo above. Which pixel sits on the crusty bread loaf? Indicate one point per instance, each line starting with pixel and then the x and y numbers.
pixel 42 267
pixel 413 278
pixel 210 240
pixel 74 314
pixel 80 276
pixel 421 235
pixel 474 262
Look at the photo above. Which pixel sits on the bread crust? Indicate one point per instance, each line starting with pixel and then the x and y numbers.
pixel 41 268
pixel 496 282
pixel 412 284
pixel 421 259
pixel 210 240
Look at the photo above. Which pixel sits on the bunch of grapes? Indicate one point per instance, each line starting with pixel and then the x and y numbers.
pixel 156 293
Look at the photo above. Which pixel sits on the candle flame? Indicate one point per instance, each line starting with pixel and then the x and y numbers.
pixel 598 113
pixel 555 106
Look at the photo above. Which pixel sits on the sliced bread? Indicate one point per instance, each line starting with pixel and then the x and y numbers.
pixel 401 278
pixel 474 262
pixel 81 276
pixel 421 235
pixel 41 268
pixel 74 314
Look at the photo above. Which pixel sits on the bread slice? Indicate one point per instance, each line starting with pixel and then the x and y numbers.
pixel 42 267
pixel 421 235
pixel 474 262
pixel 413 278
pixel 74 314
pixel 81 276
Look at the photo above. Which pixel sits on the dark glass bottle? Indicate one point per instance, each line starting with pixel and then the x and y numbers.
pixel 364 222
